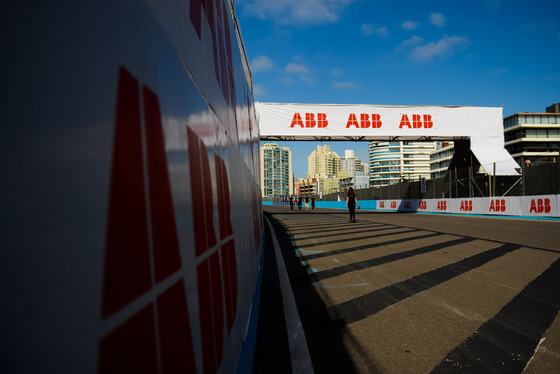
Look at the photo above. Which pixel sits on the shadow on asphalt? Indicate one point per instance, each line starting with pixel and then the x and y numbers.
pixel 328 348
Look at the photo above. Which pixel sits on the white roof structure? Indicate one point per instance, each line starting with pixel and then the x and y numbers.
pixel 344 122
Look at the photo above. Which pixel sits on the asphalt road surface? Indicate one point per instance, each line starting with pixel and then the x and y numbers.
pixel 408 293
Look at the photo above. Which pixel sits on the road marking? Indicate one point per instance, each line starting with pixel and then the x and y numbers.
pixel 320 285
pixel 301 252
pixel 299 352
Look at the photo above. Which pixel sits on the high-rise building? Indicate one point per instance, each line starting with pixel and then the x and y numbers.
pixel 276 170
pixel 533 138
pixel 395 161
pixel 350 163
pixel 440 159
pixel 322 162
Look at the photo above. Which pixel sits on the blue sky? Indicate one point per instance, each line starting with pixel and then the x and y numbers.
pixel 477 52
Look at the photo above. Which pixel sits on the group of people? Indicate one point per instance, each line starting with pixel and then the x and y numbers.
pixel 301 200
pixel 351 203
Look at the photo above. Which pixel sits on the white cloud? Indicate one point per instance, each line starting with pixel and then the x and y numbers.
pixel 294 68
pixel 259 90
pixel 445 47
pixel 295 12
pixel 337 72
pixel 408 43
pixel 371 29
pixel 261 63
pixel 344 85
pixel 299 69
pixel 437 19
pixel 288 81
pixel 410 25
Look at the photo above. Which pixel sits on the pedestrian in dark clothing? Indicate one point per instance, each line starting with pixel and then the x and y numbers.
pixel 299 201
pixel 351 201
pixel 291 202
pixel 306 203
pixel 312 202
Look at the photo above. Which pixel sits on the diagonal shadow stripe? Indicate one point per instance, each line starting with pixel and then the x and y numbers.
pixel 386 259
pixel 509 339
pixel 366 305
pixel 373 245
pixel 345 236
pixel 338 230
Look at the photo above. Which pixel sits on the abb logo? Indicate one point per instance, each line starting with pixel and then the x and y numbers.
pixel 497 205
pixel 422 205
pixel 217 285
pixel 382 204
pixel 365 122
pixel 142 248
pixel 218 21
pixel 540 206
pixel 416 121
pixel 466 206
pixel 442 205
pixel 407 204
pixel 393 205
pixel 310 121
pixel 320 121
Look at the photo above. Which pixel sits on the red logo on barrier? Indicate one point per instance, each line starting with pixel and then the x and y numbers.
pixel 422 205
pixel 210 274
pixel 393 205
pixel 218 21
pixel 407 204
pixel 142 248
pixel 540 206
pixel 310 121
pixel 382 204
pixel 416 121
pixel 497 205
pixel 442 205
pixel 466 206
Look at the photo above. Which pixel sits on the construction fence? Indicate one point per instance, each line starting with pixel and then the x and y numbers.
pixel 542 179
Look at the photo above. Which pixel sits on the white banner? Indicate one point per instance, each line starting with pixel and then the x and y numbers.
pixel 538 206
pixel 483 125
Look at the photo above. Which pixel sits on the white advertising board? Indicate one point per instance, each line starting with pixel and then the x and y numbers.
pixel 537 206
pixel 483 125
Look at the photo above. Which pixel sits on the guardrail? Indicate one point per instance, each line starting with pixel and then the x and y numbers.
pixel 541 206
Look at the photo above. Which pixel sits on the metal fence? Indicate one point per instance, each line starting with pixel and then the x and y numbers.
pixel 543 179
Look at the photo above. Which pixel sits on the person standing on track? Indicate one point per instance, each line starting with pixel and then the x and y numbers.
pixel 351 201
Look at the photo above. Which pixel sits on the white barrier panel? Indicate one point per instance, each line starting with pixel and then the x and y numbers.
pixel 131 204
pixel 538 206
pixel 544 205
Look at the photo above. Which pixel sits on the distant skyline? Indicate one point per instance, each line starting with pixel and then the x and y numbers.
pixel 301 150
pixel 478 53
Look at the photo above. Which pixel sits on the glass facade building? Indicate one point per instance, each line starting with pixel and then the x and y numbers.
pixel 533 138
pixel 276 170
pixel 395 161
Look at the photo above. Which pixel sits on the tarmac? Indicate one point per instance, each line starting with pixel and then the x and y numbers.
pixel 408 293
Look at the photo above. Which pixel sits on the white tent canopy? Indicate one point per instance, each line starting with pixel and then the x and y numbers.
pixel 341 122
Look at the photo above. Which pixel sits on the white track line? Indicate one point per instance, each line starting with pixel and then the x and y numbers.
pixel 299 352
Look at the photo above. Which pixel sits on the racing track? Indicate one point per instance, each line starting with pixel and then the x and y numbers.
pixel 414 293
